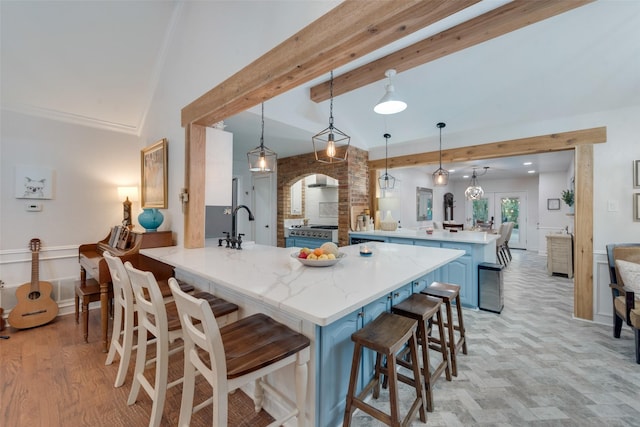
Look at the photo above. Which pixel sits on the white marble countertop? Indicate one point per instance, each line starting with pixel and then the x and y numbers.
pixel 479 237
pixel 320 295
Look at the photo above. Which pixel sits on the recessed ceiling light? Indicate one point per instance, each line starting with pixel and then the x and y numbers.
pixel 452 170
pixel 531 171
pixel 465 176
pixel 527 163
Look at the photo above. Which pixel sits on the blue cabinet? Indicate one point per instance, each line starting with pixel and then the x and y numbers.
pixel 462 271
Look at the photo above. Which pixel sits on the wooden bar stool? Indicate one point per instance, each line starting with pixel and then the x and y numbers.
pixel 426 310
pixel 241 352
pixel 450 293
pixel 386 335
pixel 158 322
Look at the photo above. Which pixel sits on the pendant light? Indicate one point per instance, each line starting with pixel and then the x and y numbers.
pixel 390 103
pixel 326 144
pixel 262 159
pixel 474 191
pixel 386 181
pixel 440 176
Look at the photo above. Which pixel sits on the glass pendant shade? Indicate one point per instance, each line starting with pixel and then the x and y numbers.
pixel 331 145
pixel 474 191
pixel 261 158
pixel 440 176
pixel 386 181
pixel 390 103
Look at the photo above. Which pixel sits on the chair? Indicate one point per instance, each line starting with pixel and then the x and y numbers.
pixel 123 317
pixel 230 357
pixel 626 303
pixel 500 251
pixel 159 319
pixel 450 294
pixel 447 226
pixel 426 310
pixel 163 325
pixel 386 336
pixel 86 292
pixel 507 250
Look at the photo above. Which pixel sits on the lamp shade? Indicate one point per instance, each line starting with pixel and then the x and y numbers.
pixel 130 193
pixel 390 103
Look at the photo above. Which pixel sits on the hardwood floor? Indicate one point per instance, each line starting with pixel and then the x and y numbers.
pixel 50 377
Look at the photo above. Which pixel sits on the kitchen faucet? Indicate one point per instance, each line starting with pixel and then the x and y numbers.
pixel 233 239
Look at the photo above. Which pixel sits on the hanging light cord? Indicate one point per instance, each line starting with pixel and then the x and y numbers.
pixel 262 132
pixel 441 146
pixel 331 101
pixel 386 153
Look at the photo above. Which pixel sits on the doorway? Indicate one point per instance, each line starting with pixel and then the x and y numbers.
pixel 503 207
pixel 263 207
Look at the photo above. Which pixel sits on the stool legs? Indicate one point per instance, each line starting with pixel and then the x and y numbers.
pixel 386 335
pixel 450 294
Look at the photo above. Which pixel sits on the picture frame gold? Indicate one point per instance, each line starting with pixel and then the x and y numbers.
pixel 154 171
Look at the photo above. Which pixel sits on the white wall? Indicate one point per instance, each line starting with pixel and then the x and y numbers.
pixel 89 164
pixel 550 186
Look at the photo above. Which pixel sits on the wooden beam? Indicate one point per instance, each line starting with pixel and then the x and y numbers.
pixel 510 17
pixel 583 231
pixel 195 167
pixel 516 147
pixel 349 31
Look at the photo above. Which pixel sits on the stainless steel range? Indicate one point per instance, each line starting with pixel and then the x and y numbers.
pixel 327 233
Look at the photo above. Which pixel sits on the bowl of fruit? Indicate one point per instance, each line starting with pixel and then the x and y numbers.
pixel 324 256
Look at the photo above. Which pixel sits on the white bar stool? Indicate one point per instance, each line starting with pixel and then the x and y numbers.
pixel 241 352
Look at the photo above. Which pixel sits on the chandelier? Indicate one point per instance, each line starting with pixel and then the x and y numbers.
pixel 474 191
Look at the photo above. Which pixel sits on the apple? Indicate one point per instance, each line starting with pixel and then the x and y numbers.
pixel 302 255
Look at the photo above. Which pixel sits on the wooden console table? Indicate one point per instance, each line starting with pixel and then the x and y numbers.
pixel 93 263
pixel 560 254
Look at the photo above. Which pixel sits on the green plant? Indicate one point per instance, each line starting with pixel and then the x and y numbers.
pixel 567 197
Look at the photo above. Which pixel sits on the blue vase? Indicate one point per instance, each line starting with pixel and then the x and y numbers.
pixel 150 219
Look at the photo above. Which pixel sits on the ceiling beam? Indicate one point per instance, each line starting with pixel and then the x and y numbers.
pixel 347 32
pixel 515 147
pixel 502 20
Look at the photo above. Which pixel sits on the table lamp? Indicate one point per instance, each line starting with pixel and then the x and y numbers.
pixel 129 194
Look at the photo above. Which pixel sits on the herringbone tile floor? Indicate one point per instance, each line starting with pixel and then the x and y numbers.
pixel 534 364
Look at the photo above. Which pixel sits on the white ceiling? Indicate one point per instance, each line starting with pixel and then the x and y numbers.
pixel 98 62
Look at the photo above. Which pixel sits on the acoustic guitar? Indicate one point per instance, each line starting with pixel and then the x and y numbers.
pixel 35 306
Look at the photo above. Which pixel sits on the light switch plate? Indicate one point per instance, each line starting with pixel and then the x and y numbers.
pixel 612 206
pixel 33 207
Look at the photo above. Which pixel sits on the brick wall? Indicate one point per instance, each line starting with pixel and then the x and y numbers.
pixel 352 176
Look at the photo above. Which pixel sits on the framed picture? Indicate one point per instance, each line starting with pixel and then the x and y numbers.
pixel 636 207
pixel 33 182
pixel 636 174
pixel 553 204
pixel 154 175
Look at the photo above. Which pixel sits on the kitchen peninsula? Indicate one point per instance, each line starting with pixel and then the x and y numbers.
pixel 479 247
pixel 327 304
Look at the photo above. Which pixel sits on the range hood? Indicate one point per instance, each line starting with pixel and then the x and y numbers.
pixel 322 181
